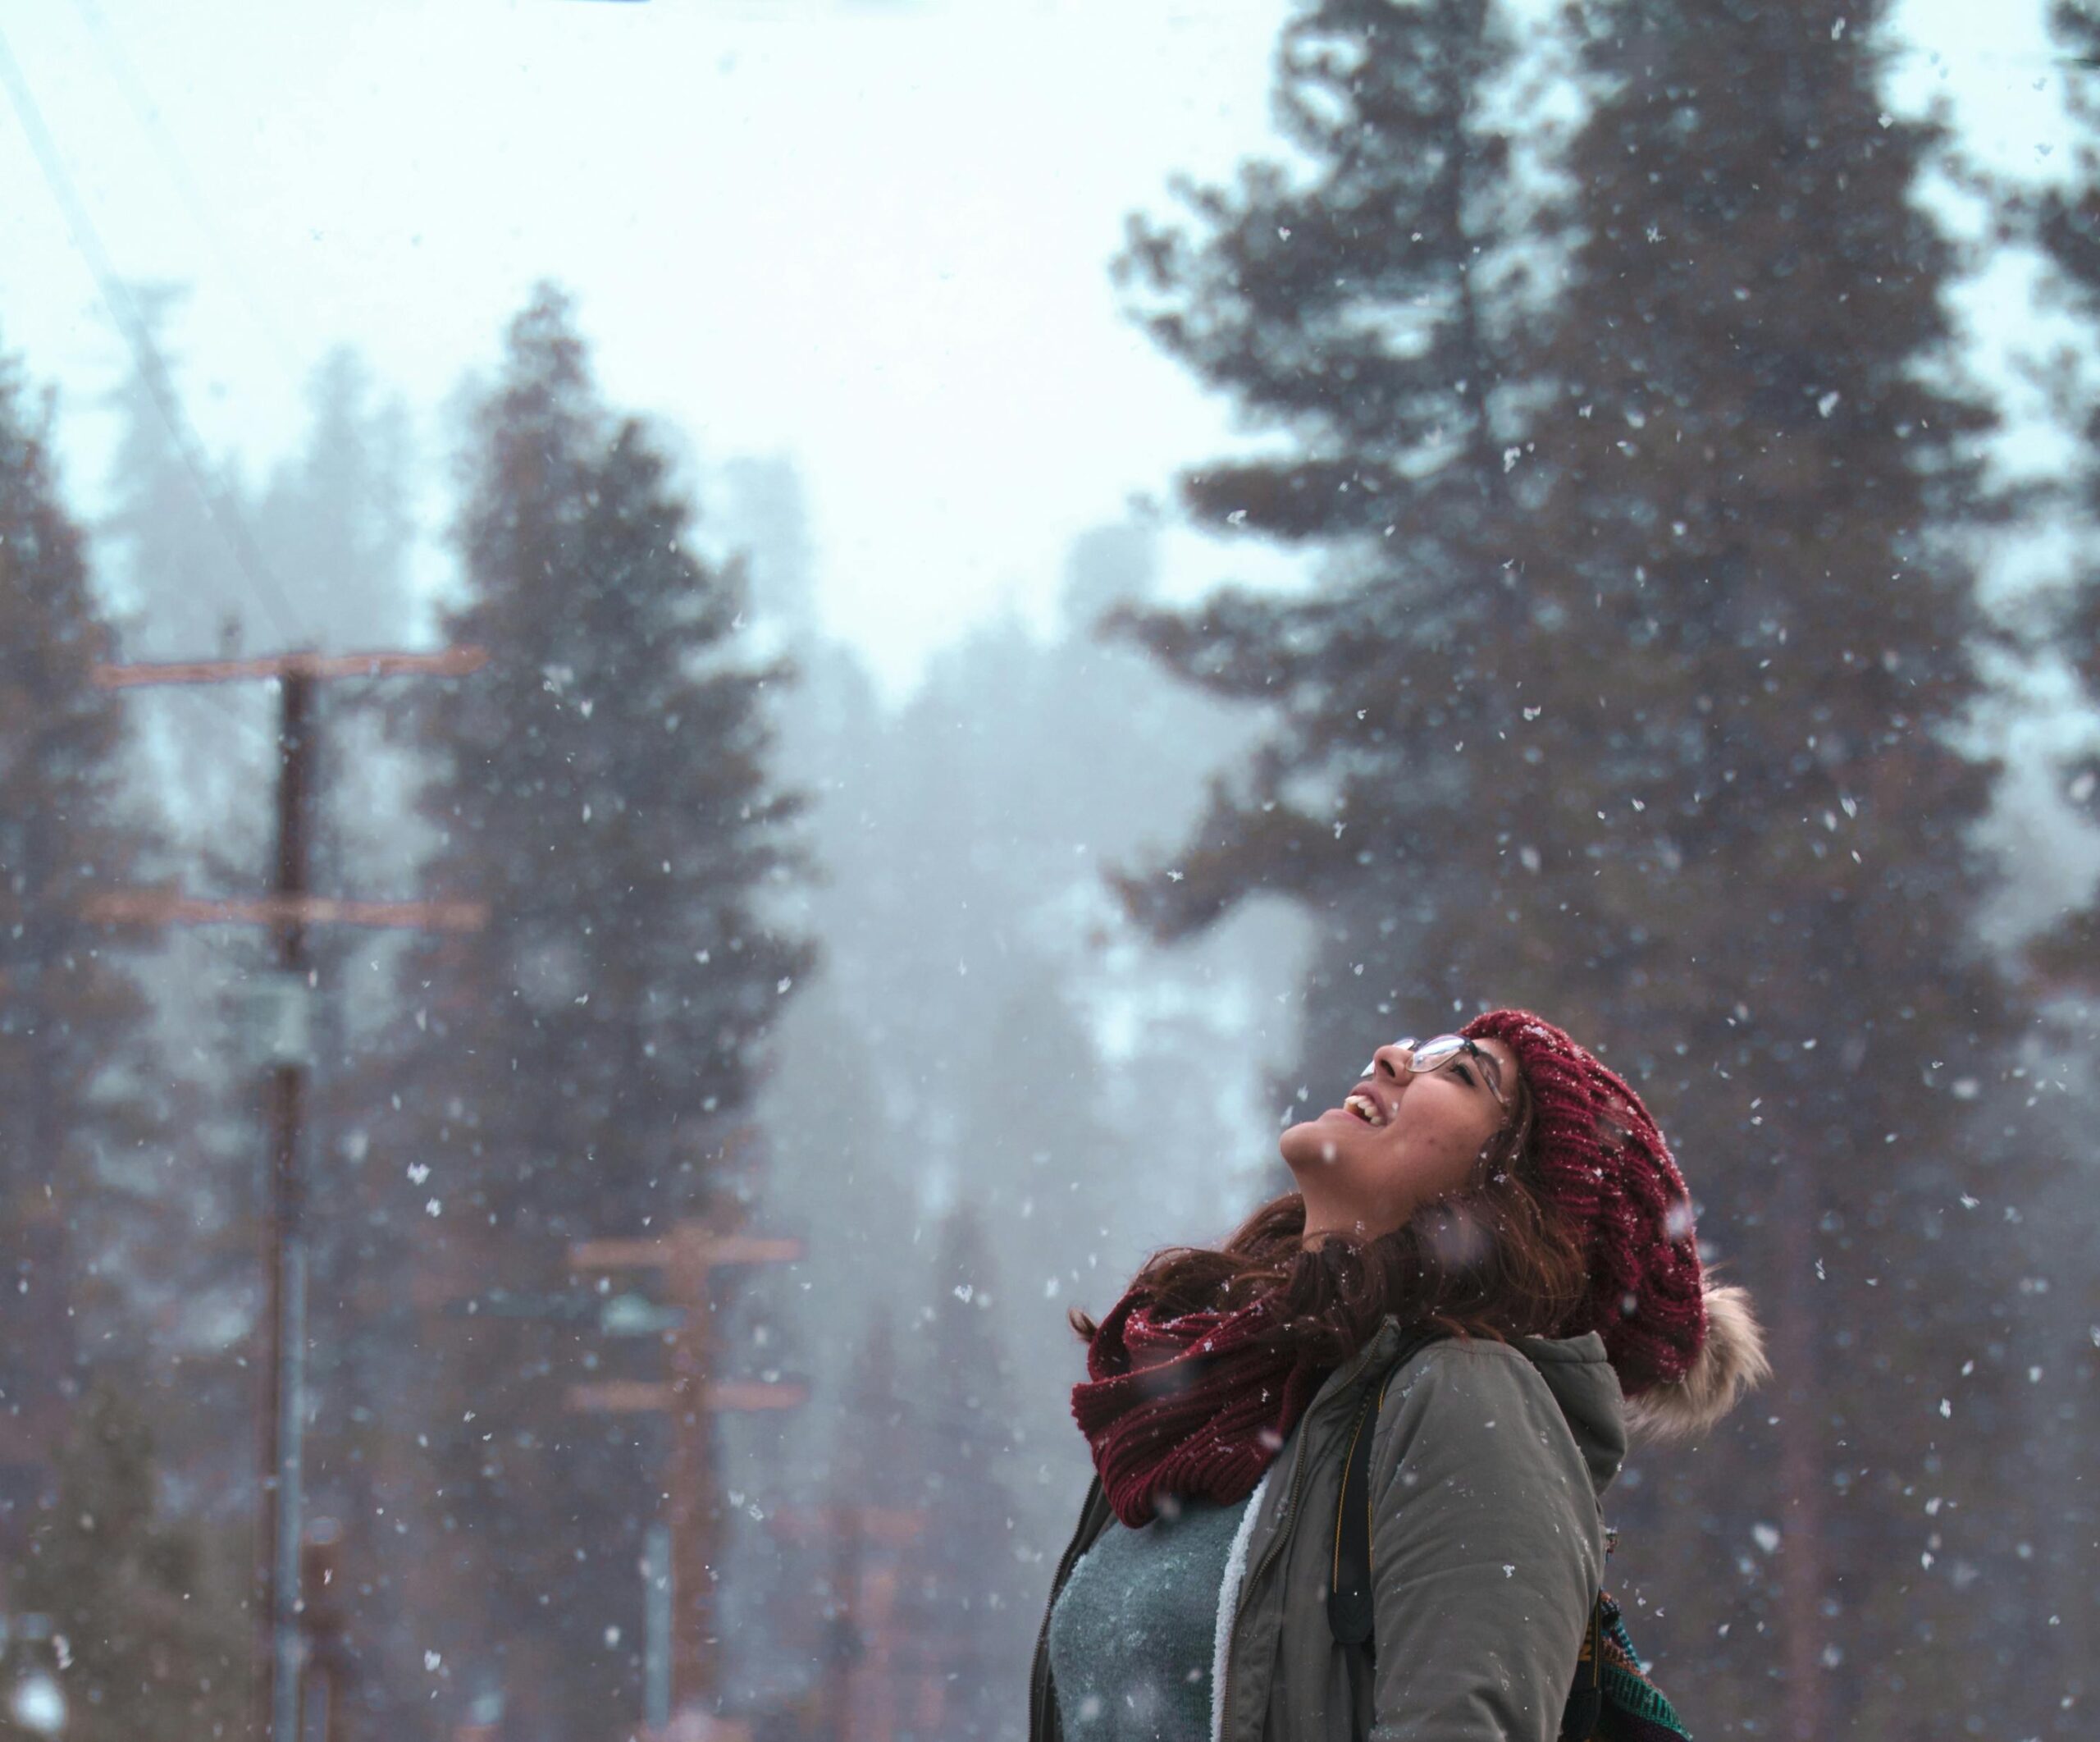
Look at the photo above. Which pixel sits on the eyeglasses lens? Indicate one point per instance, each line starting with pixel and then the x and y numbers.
pixel 1434 1054
pixel 1426 1055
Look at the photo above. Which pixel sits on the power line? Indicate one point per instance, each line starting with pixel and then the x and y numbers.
pixel 146 114
pixel 219 505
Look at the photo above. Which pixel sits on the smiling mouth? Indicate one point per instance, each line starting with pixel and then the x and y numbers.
pixel 1363 1108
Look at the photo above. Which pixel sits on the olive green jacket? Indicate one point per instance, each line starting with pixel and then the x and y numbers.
pixel 1488 1461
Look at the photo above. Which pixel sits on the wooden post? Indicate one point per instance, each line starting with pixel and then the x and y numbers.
pixel 686 1256
pixel 284 1256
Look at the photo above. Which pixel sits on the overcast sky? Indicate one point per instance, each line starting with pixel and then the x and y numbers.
pixel 873 237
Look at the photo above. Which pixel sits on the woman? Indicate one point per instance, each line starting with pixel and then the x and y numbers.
pixel 1500 1187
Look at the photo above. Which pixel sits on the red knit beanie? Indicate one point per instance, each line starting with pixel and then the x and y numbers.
pixel 1601 1163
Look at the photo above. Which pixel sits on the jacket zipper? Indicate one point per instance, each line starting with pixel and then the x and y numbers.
pixel 1247 1584
pixel 1269 1554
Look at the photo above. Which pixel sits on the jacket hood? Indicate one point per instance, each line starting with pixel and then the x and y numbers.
pixel 1576 1371
pixel 1580 1376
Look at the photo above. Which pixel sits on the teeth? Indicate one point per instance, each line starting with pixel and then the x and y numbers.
pixel 1367 1106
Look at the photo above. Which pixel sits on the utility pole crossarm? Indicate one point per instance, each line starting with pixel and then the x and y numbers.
pixel 635 1397
pixel 448 662
pixel 172 907
pixel 689 1243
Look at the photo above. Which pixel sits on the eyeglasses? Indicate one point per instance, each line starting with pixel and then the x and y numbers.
pixel 1442 1052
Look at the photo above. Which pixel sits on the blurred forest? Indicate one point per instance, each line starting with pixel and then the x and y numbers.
pixel 1653 670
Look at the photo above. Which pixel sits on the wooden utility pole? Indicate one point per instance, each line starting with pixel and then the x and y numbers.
pixel 691 1397
pixel 288 911
pixel 283 1415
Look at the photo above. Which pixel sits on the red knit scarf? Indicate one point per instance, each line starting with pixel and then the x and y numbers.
pixel 1195 1406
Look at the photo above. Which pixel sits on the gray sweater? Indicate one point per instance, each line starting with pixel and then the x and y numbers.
pixel 1133 1632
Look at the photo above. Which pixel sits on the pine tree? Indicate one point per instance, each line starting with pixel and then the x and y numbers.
pixel 1752 603
pixel 178 580
pixel 574 1069
pixel 78 1186
pixel 1613 753
pixel 2065 221
pixel 170 568
pixel 2064 1523
pixel 1382 306
pixel 335 520
pixel 165 569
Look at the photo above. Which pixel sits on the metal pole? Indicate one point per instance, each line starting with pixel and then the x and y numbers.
pixel 656 1608
pixel 291 1389
pixel 844 1644
pixel 283 1372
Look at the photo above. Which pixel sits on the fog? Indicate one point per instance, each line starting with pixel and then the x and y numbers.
pixel 979 602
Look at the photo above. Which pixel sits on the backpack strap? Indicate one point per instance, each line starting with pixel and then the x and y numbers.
pixel 1349 1578
pixel 1586 1693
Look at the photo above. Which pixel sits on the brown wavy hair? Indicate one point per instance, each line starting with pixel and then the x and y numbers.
pixel 1492 1261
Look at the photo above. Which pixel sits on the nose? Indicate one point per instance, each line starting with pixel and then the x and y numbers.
pixel 1393 1061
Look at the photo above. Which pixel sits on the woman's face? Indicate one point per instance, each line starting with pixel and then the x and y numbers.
pixel 1398 1141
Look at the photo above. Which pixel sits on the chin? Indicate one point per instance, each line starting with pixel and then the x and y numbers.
pixel 1313 1144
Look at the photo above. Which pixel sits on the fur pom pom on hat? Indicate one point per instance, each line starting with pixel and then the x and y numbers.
pixel 1684 1349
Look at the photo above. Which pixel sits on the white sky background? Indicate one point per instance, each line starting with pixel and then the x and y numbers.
pixel 873 237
